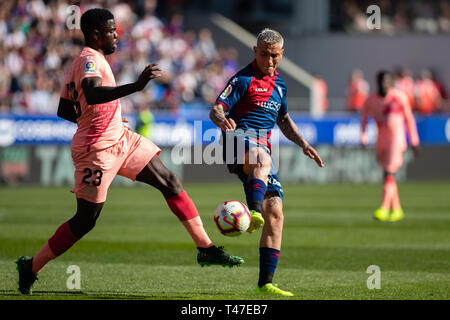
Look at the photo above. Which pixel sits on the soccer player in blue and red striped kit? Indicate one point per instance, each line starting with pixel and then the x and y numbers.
pixel 253 101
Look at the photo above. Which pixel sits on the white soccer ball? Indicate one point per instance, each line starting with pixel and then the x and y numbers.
pixel 232 218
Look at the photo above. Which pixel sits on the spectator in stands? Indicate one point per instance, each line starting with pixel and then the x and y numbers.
pixel 444 16
pixel 425 19
pixel 357 91
pixel 36 47
pixel 397 16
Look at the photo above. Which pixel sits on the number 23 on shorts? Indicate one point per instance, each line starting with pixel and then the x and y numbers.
pixel 92 176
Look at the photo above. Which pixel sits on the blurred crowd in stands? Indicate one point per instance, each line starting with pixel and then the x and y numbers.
pixel 37 48
pixel 399 16
pixel 425 93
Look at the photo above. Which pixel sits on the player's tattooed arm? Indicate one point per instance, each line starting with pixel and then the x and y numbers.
pixel 66 110
pixel 290 130
pixel 95 93
pixel 217 115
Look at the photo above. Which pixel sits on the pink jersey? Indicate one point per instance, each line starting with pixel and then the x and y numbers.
pixel 391 113
pixel 406 85
pixel 99 126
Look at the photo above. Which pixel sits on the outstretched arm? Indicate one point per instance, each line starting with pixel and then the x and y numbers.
pixel 411 126
pixel 364 119
pixel 290 130
pixel 95 93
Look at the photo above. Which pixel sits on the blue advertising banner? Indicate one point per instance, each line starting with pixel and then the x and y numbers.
pixel 337 130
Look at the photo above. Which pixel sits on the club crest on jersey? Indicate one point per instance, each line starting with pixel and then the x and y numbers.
pixel 89 67
pixel 226 92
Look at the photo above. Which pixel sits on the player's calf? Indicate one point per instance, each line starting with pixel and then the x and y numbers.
pixel 255 190
pixel 257 168
pixel 157 175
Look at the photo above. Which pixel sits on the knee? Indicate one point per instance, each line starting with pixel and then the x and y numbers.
pixel 258 159
pixel 274 213
pixel 82 223
pixel 265 161
pixel 277 218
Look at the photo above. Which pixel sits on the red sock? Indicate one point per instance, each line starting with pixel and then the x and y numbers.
pixel 62 240
pixel 42 257
pixel 59 243
pixel 182 206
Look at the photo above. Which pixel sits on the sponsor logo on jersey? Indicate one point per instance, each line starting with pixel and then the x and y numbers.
pixel 226 92
pixel 269 105
pixel 89 67
pixel 261 89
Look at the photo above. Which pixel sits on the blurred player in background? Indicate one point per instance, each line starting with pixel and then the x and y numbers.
pixel 404 82
pixel 357 91
pixel 253 101
pixel 319 95
pixel 428 98
pixel 391 110
pixel 103 147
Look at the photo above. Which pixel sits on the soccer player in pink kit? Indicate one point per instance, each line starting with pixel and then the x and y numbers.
pixel 391 111
pixel 103 147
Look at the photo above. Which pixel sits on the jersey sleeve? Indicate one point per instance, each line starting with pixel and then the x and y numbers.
pixel 233 92
pixel 89 66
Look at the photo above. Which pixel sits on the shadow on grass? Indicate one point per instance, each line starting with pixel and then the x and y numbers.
pixel 91 295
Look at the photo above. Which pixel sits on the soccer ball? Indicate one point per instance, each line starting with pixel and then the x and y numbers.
pixel 232 218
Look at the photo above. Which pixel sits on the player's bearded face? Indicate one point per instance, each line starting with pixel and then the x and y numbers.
pixel 109 37
pixel 267 57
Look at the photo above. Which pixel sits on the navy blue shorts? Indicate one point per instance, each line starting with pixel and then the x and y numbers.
pixel 273 182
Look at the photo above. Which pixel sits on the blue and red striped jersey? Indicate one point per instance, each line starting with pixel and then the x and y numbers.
pixel 254 100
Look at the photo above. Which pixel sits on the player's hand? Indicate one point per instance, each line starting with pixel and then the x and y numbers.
pixel 150 72
pixel 227 124
pixel 312 153
pixel 416 150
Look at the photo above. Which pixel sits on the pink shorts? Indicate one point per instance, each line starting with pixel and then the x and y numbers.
pixel 390 160
pixel 95 170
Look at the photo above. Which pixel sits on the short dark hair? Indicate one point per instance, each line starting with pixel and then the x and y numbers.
pixel 94 19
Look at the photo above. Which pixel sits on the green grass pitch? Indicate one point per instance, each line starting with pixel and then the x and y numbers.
pixel 139 250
